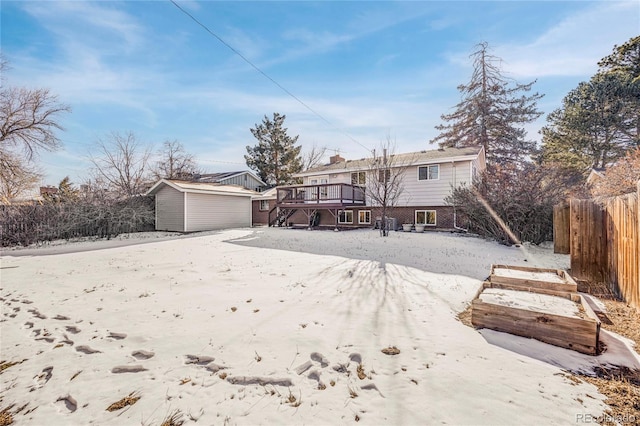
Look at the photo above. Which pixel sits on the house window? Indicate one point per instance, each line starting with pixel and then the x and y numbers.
pixel 426 217
pixel 358 178
pixel 364 216
pixel 429 172
pixel 384 176
pixel 264 204
pixel 345 216
pixel 323 189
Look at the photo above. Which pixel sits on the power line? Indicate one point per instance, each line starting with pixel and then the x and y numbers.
pixel 265 74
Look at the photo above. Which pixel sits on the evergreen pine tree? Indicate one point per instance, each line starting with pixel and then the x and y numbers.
pixel 599 120
pixel 491 113
pixel 275 158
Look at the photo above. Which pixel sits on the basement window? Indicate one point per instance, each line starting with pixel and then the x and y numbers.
pixel 345 216
pixel 364 217
pixel 426 217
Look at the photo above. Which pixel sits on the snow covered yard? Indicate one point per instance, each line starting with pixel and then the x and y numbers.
pixel 276 326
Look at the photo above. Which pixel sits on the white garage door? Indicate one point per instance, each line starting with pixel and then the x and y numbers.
pixel 206 212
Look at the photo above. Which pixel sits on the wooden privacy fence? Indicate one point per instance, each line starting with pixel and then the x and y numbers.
pixel 604 242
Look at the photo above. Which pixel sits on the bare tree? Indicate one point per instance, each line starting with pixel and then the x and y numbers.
pixel 385 180
pixel 121 164
pixel 29 119
pixel 174 162
pixel 313 157
pixel 17 176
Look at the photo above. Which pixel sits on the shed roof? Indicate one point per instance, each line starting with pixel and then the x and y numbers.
pixel 202 188
pixel 410 158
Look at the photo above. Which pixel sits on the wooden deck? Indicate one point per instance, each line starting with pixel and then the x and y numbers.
pixel 324 196
pixel 310 198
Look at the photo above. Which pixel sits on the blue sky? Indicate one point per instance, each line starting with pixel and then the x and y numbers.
pixel 370 68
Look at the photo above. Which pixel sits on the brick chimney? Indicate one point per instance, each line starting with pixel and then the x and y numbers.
pixel 335 159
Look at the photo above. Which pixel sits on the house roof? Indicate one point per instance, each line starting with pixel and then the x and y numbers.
pixel 595 174
pixel 410 158
pixel 217 177
pixel 269 194
pixel 202 188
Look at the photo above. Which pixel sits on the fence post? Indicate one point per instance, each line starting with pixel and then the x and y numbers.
pixel 637 295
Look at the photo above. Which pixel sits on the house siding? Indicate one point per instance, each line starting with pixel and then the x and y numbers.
pixel 433 192
pixel 208 211
pixel 416 192
pixel 245 180
pixel 169 210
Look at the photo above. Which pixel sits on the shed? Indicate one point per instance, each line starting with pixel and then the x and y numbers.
pixel 196 206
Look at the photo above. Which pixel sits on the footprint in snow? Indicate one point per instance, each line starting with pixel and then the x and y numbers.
pixel 318 357
pixel 68 402
pixel 127 369
pixel 355 357
pixel 37 314
pixel 198 359
pixel 141 354
pixel 61 318
pixel 117 336
pixel 87 350
pixel 42 378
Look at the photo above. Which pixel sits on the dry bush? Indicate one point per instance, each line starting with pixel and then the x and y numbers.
pixel 173 419
pixel 521 197
pixel 31 223
pixel 130 399
pixel 6 418
pixel 621 178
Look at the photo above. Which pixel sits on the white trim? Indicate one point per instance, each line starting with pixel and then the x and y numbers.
pixel 364 223
pixel 240 192
pixel 186 223
pixel 435 217
pixel 260 205
pixel 345 211
pixel 427 165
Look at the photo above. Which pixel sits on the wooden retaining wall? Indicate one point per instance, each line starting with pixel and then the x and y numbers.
pixel 605 243
pixel 579 334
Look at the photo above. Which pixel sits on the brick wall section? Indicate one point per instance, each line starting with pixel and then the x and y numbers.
pixel 444 217
pixel 260 217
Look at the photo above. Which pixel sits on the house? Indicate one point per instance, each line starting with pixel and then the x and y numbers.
pixel 595 176
pixel 335 194
pixel 262 204
pixel 200 206
pixel 244 178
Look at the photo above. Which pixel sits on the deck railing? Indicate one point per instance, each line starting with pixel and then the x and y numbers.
pixel 325 193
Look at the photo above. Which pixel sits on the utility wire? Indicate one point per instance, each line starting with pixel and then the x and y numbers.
pixel 265 74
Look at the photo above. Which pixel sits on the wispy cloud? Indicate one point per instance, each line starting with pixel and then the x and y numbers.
pixel 575 44
pixel 64 18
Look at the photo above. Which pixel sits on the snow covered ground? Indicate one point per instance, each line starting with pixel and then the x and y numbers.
pixel 277 326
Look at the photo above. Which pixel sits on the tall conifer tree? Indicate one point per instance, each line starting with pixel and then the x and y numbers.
pixel 276 157
pixel 492 113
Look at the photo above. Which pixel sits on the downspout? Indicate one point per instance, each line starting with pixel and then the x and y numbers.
pixel 455 225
